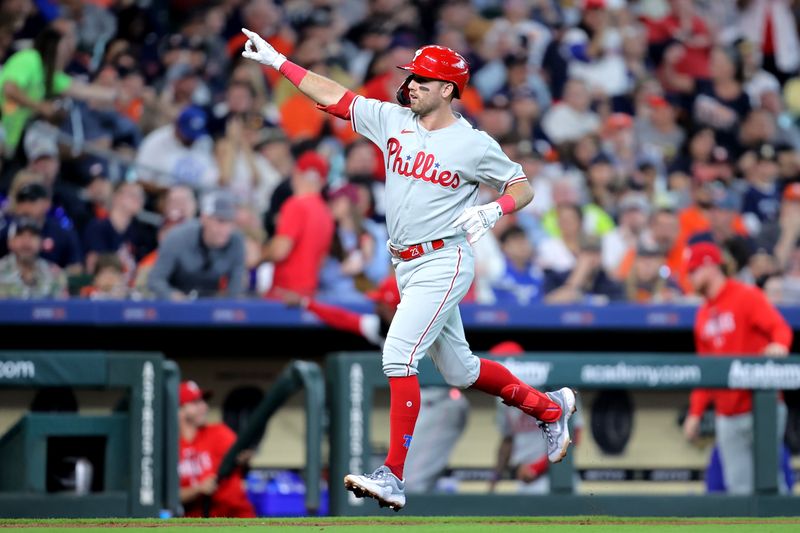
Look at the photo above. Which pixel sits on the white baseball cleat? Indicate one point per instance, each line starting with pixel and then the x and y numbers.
pixel 557 433
pixel 381 485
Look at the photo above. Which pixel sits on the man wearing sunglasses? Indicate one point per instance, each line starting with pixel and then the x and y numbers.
pixel 435 161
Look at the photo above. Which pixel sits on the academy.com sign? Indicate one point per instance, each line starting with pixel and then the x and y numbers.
pixel 631 374
pixel 766 375
pixel 17 370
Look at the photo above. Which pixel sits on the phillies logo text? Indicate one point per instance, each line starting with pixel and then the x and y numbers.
pixel 424 166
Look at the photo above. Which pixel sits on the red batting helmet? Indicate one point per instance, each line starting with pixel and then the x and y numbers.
pixel 437 63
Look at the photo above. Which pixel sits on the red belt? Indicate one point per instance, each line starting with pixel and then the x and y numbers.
pixel 416 250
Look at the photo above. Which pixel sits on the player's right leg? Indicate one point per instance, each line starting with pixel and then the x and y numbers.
pixel 461 368
pixel 431 288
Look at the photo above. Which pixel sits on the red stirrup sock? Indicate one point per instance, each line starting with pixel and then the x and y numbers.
pixel 495 379
pixel 403 412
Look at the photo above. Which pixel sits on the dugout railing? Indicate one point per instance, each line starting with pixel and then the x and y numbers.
pixel 353 378
pixel 297 376
pixel 134 447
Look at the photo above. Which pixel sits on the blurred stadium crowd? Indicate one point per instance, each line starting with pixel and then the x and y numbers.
pixel 143 157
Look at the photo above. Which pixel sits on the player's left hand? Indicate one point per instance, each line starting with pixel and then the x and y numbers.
pixel 477 220
pixel 774 349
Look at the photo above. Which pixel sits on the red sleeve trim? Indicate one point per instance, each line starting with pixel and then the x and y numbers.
pixel 352 114
pixel 513 181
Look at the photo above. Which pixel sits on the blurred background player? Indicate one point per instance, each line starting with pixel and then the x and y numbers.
pixel 523 448
pixel 734 319
pixel 202 448
pixel 444 411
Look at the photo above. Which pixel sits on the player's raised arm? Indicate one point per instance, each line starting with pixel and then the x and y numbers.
pixel 329 95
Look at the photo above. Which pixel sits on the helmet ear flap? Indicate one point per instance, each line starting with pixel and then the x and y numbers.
pixel 403 92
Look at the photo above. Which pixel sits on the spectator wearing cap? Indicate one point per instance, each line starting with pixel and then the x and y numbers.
pixel 696 218
pixel 662 233
pixel 761 202
pixel 304 232
pixel 657 133
pixel 59 241
pixel 202 257
pixel 23 273
pixel 571 118
pixel 722 216
pixel 121 232
pixel 202 447
pixel 180 205
pixel 178 153
pixel 41 150
pixel 634 211
pixel 620 142
pixel 650 280
pixel 521 282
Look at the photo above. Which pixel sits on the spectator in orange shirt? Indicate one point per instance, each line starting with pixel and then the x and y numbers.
pixel 304 231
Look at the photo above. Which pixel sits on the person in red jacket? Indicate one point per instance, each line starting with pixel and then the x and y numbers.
pixel 444 414
pixel 202 448
pixel 735 319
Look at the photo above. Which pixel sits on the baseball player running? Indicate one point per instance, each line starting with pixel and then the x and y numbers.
pixel 435 162
pixel 444 411
pixel 734 319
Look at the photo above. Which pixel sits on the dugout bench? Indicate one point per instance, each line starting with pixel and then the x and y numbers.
pixel 353 377
pixel 130 448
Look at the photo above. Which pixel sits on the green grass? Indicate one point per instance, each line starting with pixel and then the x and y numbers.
pixel 413 524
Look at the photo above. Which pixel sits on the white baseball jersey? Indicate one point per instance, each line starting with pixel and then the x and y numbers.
pixel 431 176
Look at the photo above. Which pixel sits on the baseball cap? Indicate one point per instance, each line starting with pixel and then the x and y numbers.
pixel 347 190
pixel 31 192
pixel 722 198
pixel 189 392
pixel 39 145
pixel 634 201
pixel 192 123
pixel 656 100
pixel 792 192
pixel 702 253
pixel 594 4
pixel 618 121
pixel 507 348
pixel 387 292
pixel 645 249
pixel 219 204
pixel 20 224
pixel 311 160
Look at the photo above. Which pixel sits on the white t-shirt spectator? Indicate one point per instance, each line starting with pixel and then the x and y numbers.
pixel 163 160
pixel 563 123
